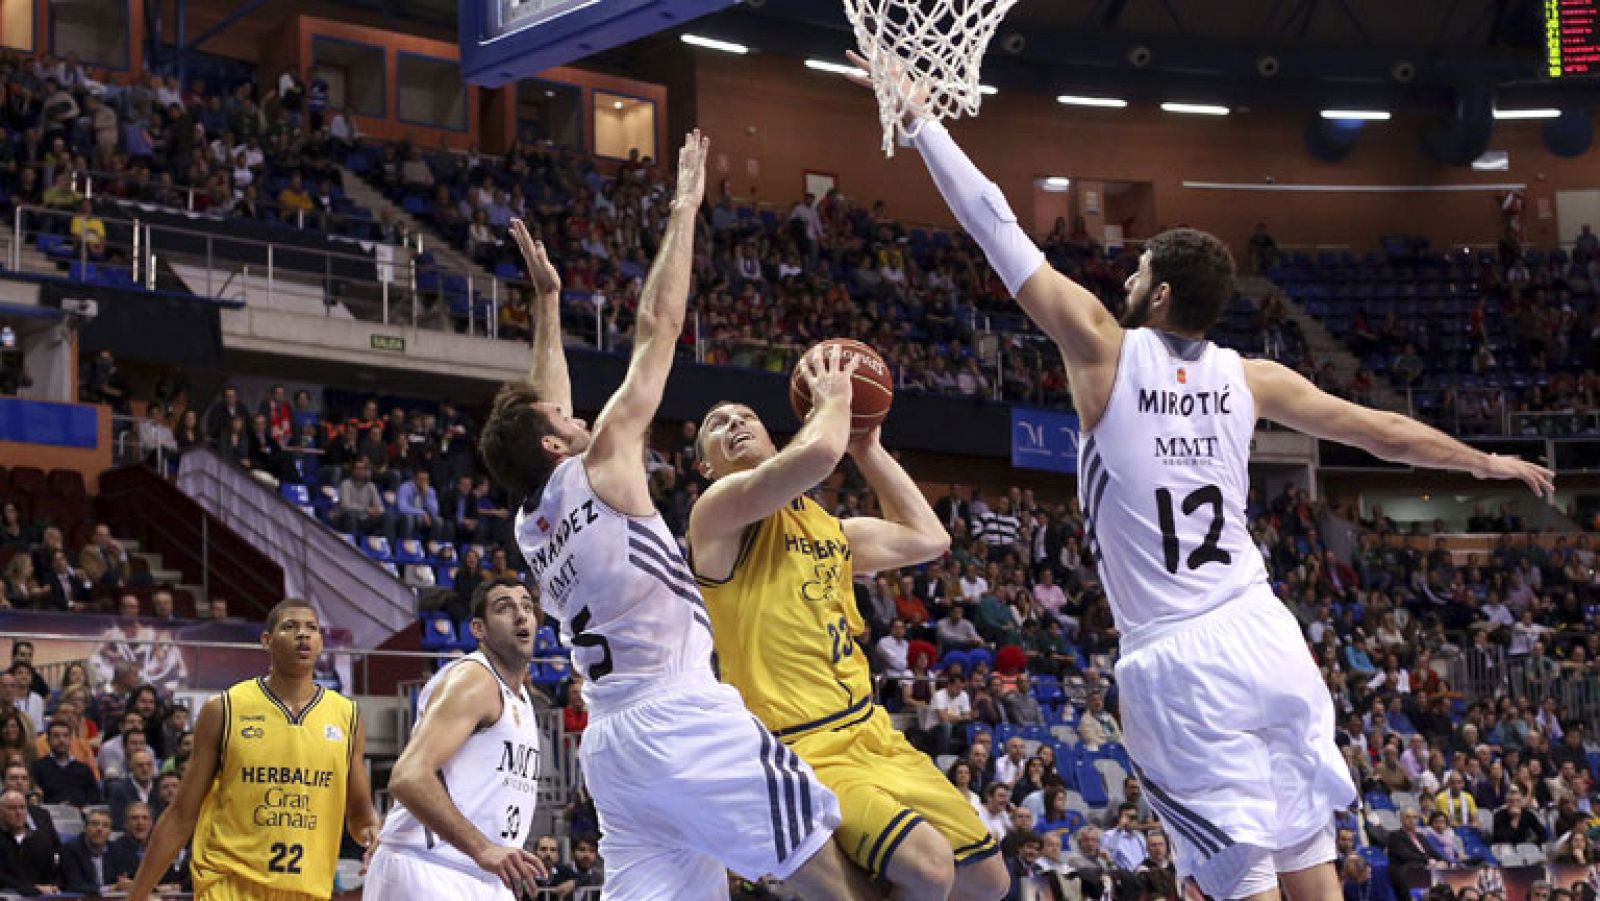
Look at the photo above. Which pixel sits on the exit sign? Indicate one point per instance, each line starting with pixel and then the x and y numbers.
pixel 389 342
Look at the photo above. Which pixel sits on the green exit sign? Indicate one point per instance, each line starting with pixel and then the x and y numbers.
pixel 389 342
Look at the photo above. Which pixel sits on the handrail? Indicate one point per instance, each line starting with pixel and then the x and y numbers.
pixel 246 646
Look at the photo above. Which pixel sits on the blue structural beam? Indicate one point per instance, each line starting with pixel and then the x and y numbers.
pixel 500 46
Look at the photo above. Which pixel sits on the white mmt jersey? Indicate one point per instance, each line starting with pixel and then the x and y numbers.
pixel 1163 479
pixel 627 603
pixel 493 779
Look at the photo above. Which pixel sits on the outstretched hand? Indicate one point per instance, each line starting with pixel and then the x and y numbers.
pixel 546 280
pixel 692 170
pixel 912 95
pixel 1539 480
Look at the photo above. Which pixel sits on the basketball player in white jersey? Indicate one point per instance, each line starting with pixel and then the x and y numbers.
pixel 468 780
pixel 687 783
pixel 1225 717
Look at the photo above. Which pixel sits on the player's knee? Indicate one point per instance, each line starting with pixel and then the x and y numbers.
pixel 923 867
pixel 985 880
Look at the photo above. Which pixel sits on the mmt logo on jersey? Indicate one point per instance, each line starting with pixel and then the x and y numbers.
pixel 332 733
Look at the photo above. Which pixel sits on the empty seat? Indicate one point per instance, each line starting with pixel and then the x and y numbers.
pixel 66 483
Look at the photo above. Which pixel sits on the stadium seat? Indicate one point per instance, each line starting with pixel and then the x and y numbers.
pixel 410 551
pixel 298 495
pixel 419 576
pixel 1090 784
pixel 444 575
pixel 377 547
pixel 1379 801
pixel 65 483
pixel 438 633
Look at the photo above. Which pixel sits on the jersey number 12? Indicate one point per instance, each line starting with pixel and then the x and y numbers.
pixel 1208 551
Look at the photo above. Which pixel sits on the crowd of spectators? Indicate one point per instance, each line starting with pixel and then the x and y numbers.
pixel 965 644
pixel 1479 340
pixel 106 757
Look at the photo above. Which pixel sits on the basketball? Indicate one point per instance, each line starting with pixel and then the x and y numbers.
pixel 874 386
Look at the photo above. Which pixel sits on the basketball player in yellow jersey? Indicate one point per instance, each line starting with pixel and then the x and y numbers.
pixel 276 775
pixel 775 571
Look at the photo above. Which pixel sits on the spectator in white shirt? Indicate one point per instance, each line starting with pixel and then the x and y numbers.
pixel 892 649
pixel 1415 758
pixel 1001 526
pixel 996 813
pixel 952 711
pixel 973 584
pixel 1125 844
pixel 1008 769
pixel 1524 634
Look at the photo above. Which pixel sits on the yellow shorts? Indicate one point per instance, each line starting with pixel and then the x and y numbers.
pixel 227 887
pixel 885 788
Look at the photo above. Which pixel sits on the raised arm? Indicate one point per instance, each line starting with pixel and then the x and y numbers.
pixel 909 532
pixel 614 456
pixel 549 371
pixel 1069 313
pixel 737 500
pixel 1284 396
pixel 176 825
pixel 468 699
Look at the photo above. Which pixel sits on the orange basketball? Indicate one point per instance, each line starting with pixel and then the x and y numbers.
pixel 873 392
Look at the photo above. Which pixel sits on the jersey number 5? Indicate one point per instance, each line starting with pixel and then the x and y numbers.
pixel 1208 551
pixel 584 639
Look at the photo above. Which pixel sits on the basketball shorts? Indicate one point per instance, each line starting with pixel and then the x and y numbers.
pixel 1230 729
pixel 228 887
pixel 688 785
pixel 886 788
pixel 395 875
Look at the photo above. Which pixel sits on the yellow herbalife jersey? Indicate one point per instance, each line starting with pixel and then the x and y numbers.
pixel 275 812
pixel 784 623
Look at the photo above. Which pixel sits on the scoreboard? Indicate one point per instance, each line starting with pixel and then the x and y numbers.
pixel 1572 38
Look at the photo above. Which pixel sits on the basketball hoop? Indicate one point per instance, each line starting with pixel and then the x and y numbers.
pixel 924 51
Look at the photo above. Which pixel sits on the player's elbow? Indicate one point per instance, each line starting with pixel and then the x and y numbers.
pixel 404 782
pixel 932 544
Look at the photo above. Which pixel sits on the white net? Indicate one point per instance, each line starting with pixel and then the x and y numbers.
pixel 924 52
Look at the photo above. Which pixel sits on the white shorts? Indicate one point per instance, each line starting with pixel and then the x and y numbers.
pixel 1230 730
pixel 397 876
pixel 688 785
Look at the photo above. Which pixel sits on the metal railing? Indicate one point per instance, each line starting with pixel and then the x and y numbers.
pixel 1495 674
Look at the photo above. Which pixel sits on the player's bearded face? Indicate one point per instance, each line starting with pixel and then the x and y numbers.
pixel 1137 312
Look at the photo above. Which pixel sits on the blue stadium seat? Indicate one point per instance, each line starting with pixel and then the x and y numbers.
pixel 295 494
pixel 410 551
pixel 438 633
pixel 443 577
pixel 1090 783
pixel 377 547
pixel 1379 801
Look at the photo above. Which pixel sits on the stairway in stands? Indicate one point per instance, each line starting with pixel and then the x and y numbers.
pixel 1324 347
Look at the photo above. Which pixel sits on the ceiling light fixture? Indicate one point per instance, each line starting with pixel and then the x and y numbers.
pixel 714 44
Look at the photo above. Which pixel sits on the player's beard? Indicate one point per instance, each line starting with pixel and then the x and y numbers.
pixel 1137 311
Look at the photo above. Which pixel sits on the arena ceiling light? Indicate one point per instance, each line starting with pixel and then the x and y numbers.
pixel 714 44
pixel 1056 183
pixel 988 89
pixel 1196 109
pixel 1362 115
pixel 822 65
pixel 1515 114
pixel 1102 102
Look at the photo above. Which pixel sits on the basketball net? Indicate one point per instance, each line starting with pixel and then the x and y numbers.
pixel 924 52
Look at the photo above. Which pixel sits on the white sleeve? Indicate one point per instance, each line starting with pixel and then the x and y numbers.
pixel 979 206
